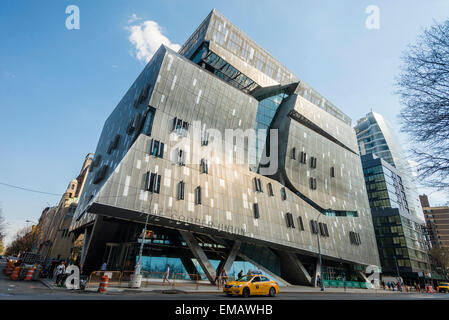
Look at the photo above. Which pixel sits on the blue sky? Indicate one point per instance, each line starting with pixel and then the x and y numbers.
pixel 57 86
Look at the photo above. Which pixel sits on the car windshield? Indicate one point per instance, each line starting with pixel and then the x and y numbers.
pixel 244 279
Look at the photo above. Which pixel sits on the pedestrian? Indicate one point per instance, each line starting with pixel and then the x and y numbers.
pixel 59 273
pixel 53 265
pixel 103 266
pixel 392 285
pixel 166 274
pixel 389 285
pixel 383 284
pixel 399 286
pixel 240 274
pixel 223 276
pixel 318 281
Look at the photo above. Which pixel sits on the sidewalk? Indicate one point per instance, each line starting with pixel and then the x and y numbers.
pixel 213 289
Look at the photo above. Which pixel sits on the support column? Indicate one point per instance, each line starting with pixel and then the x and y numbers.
pixel 293 270
pixel 232 255
pixel 271 274
pixel 362 275
pixel 186 261
pixel 199 255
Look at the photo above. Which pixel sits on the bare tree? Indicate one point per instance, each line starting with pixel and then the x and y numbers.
pixel 441 257
pixel 23 241
pixel 423 86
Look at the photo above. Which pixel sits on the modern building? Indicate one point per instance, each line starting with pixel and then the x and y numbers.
pixel 55 240
pixel 437 220
pixel 375 135
pixel 400 236
pixel 260 199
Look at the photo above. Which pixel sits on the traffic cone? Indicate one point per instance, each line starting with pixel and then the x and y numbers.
pixel 8 268
pixel 103 284
pixel 15 274
pixel 30 273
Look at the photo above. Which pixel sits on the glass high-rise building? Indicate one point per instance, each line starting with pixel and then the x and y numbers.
pixel 210 205
pixel 375 135
pixel 401 238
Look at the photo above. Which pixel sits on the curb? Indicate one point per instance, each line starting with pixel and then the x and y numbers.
pixel 49 286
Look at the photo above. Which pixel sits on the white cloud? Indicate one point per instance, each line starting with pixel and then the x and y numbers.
pixel 147 37
pixel 133 18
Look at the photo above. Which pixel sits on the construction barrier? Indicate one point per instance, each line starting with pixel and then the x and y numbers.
pixel 148 278
pixel 185 280
pixel 37 273
pixel 30 273
pixel 113 277
pixel 15 273
pixel 103 284
pixel 9 268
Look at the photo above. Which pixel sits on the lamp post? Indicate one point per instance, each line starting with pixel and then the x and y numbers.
pixel 34 241
pixel 319 248
pixel 397 271
pixel 138 267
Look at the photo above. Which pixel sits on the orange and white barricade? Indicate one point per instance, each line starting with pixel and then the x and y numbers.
pixel 15 274
pixel 30 273
pixel 103 284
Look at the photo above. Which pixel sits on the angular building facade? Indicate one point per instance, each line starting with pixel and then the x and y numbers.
pixel 234 162
pixel 375 135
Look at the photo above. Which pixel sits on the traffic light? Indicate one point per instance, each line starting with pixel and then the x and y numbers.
pixel 148 234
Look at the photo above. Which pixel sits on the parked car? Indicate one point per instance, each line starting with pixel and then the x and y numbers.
pixel 443 287
pixel 250 285
pixel 12 259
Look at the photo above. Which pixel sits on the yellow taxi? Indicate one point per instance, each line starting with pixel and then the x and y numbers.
pixel 443 287
pixel 252 285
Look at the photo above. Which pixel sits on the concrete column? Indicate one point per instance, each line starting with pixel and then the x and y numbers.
pixel 199 254
pixel 362 275
pixel 232 255
pixel 271 274
pixel 87 233
pixel 292 269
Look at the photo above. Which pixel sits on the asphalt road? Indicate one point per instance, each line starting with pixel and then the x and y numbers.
pixel 35 290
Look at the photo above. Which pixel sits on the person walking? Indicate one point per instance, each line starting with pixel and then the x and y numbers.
pixel 166 274
pixel 223 276
pixel 103 266
pixel 59 273
pixel 240 274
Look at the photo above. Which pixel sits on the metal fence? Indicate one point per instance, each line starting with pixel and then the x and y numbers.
pixel 174 280
pixel 95 277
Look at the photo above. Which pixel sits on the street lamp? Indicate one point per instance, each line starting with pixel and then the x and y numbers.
pixel 319 248
pixel 397 270
pixel 138 267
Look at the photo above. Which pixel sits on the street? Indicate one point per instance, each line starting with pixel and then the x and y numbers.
pixel 36 290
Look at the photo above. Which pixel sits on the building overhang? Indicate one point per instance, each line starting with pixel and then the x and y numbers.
pixel 182 223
